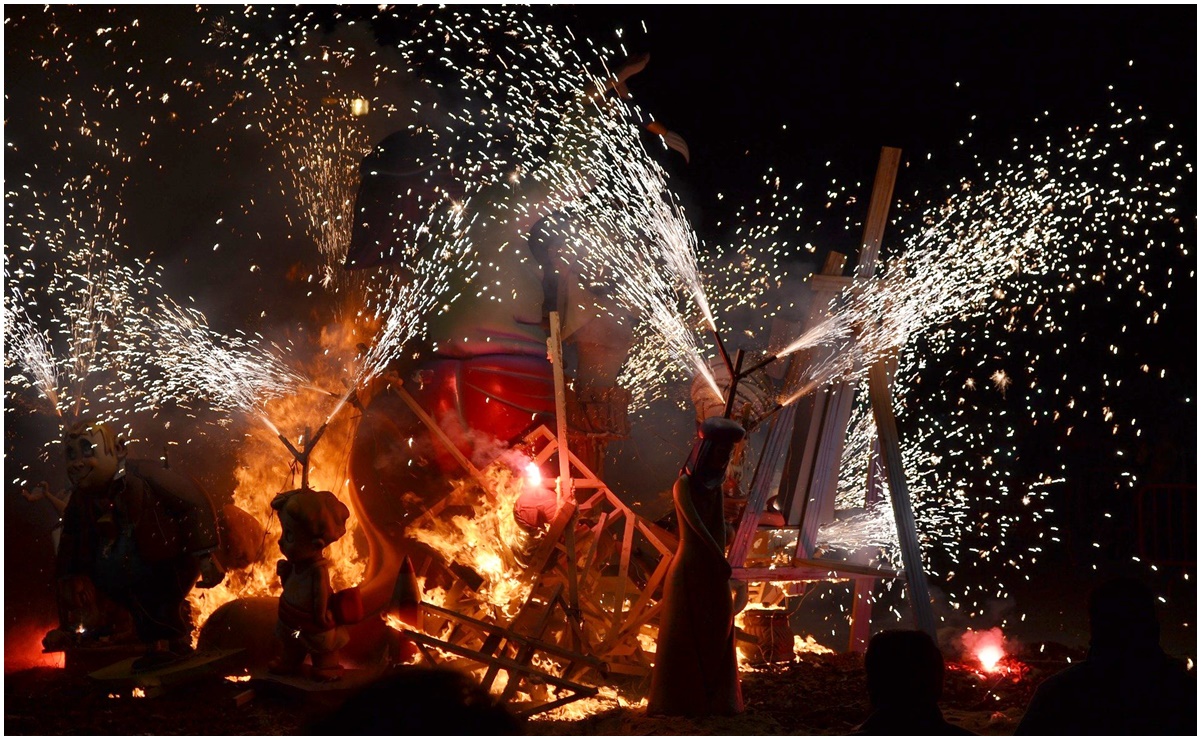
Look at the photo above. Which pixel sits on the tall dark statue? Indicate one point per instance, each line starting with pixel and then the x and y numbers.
pixel 137 535
pixel 696 668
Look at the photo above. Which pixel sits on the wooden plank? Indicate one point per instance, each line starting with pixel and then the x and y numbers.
pixel 546 548
pixel 761 485
pixel 590 558
pixel 436 430
pixel 823 481
pixel 508 665
pixel 196 666
pixel 616 637
pixel 595 499
pixel 566 489
pixel 623 573
pixel 526 654
pixel 827 285
pixel 877 210
pixel 547 647
pixel 497 640
pixel 861 614
pixel 656 536
pixel 545 454
pixel 647 594
pixel 555 352
pixel 890 452
pixel 629 670
pixel 875 475
pixel 808 570
pixel 580 643
pixel 798 464
pixel 823 485
pixel 527 713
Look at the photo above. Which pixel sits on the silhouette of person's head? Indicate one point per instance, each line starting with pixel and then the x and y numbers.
pixel 1121 612
pixel 420 701
pixel 904 669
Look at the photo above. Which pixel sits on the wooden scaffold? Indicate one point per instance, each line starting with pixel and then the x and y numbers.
pixel 596 574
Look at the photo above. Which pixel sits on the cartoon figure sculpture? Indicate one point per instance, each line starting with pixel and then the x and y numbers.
pixel 310 614
pixel 135 534
pixel 696 667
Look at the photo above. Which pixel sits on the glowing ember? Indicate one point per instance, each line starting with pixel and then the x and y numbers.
pixel 806 644
pixel 490 543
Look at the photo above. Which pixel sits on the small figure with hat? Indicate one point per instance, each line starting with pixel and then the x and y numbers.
pixel 311 615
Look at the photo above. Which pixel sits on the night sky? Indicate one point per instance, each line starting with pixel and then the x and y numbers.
pixel 812 93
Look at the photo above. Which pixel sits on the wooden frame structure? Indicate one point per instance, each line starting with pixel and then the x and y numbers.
pixel 596 574
pixel 808 437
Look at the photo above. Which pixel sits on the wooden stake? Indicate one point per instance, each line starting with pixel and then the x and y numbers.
pixel 877 210
pixel 566 489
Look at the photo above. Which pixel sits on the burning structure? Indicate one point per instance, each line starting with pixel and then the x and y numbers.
pixel 506 279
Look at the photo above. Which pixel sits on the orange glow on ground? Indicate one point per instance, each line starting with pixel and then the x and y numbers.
pixel 23 648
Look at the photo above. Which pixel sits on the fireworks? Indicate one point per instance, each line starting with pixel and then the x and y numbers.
pixel 986 284
pixel 230 373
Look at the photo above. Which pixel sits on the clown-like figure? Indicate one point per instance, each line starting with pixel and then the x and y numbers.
pixel 135 534
pixel 308 622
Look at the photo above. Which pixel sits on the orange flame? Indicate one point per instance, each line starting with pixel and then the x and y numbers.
pixel 490 542
pixel 265 468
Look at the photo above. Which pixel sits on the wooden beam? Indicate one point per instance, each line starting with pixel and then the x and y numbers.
pixel 778 435
pixel 514 668
pixel 555 352
pixel 509 634
pixel 795 489
pixel 877 211
pixel 623 573
pixel 861 614
pixel 898 489
pixel 436 430
pixel 566 488
pixel 823 481
pixel 810 570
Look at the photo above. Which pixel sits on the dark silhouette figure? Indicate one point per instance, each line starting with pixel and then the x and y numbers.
pixel 1127 686
pixel 696 667
pixel 904 683
pixel 414 700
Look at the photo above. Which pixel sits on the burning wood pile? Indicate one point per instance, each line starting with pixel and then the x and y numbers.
pixel 578 611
